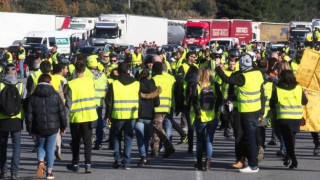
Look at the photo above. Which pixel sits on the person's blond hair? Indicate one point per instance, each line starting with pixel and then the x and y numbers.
pixel 283 65
pixel 204 77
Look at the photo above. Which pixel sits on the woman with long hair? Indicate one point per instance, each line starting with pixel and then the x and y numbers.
pixel 205 101
pixel 287 100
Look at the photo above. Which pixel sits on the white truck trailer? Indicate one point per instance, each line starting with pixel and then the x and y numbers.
pixel 84 23
pixel 130 29
pixel 14 26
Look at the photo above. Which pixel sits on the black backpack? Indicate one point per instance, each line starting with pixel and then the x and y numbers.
pixel 207 99
pixel 10 100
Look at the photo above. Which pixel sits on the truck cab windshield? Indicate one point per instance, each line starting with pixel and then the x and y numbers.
pixel 106 33
pixel 32 40
pixel 194 32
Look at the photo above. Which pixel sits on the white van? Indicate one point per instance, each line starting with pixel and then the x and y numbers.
pixel 227 42
pixel 63 39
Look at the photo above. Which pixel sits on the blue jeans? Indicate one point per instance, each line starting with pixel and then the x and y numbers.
pixel 143 129
pixel 100 125
pixel 249 123
pixel 46 148
pixel 21 62
pixel 205 133
pixel 15 158
pixel 127 127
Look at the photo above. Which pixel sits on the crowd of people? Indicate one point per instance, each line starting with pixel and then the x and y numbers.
pixel 244 89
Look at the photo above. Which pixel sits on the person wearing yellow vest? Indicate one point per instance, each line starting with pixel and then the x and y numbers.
pixel 87 72
pixel 122 108
pixel 205 101
pixel 59 82
pixel 32 80
pixel 7 56
pixel 100 86
pixel 148 63
pixel 287 100
pixel 11 125
pixel 55 55
pixel 81 105
pixel 294 64
pixel 169 121
pixel 161 111
pixel 286 49
pixel 181 99
pixel 226 117
pixel 136 60
pixel 21 58
pixel 262 123
pixel 250 104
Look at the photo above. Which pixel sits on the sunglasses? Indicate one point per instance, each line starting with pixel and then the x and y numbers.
pixel 10 69
pixel 105 56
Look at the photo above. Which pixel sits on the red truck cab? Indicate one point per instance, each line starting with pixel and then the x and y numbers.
pixel 197 32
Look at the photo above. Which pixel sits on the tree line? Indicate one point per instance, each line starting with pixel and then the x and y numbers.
pixel 257 10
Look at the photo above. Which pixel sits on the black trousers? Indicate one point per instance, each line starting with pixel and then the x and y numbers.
pixel 237 133
pixel 315 138
pixel 78 131
pixel 289 128
pixel 261 136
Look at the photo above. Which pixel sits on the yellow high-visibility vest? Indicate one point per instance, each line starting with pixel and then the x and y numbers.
pixel 126 100
pixel 249 94
pixel 289 103
pixel 83 108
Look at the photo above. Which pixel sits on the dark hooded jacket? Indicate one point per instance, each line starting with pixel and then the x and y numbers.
pixel 46 112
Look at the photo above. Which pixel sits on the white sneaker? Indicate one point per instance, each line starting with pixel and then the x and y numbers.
pixel 249 169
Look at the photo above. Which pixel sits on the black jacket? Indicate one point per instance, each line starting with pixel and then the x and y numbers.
pixel 46 112
pixel 147 104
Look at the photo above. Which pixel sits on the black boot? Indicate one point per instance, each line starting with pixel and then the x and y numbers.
pixel 294 164
pixel 198 165
pixel 286 161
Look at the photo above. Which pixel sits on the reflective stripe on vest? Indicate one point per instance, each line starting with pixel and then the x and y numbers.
pixel 57 82
pixel 83 108
pixel 54 57
pixel 165 95
pixel 248 95
pixel 35 76
pixel 10 59
pixel 100 89
pixel 267 87
pixel 136 59
pixel 20 114
pixel 23 55
pixel 126 100
pixel 225 86
pixel 206 116
pixel 289 103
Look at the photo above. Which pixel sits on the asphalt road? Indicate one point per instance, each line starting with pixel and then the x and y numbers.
pixel 179 165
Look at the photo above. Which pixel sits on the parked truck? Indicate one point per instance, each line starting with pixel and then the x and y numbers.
pixel 130 29
pixel 270 32
pixel 299 30
pixel 201 31
pixel 83 23
pixel 16 25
